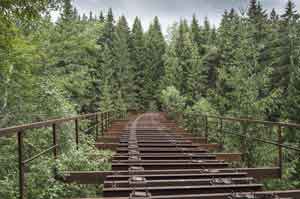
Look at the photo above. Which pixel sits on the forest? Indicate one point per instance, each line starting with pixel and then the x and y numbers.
pixel 248 66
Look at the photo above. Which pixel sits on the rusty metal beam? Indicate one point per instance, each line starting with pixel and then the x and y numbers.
pixel 295 194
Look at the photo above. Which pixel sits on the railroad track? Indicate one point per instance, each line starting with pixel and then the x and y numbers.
pixel 155 159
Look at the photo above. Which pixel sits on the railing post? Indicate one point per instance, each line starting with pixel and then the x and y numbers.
pixel 108 118
pixel 107 121
pixel 54 129
pixel 21 166
pixel 206 129
pixel 280 154
pixel 97 128
pixel 77 133
pixel 102 124
pixel 221 134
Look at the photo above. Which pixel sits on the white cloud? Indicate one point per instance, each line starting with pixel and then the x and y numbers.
pixel 170 11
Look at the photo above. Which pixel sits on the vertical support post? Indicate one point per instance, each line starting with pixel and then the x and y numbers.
pixel 104 121
pixel 102 124
pixel 21 166
pixel 97 127
pixel 243 141
pixel 221 134
pixel 206 128
pixel 77 133
pixel 54 129
pixel 280 154
pixel 107 124
pixel 108 118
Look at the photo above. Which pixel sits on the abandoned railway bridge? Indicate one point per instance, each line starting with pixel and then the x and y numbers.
pixel 156 158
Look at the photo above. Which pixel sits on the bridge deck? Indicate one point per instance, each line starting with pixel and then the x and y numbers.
pixel 156 159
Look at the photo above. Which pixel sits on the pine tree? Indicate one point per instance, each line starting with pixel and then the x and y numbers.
pixel 213 36
pixel 103 71
pixel 196 34
pixel 67 14
pixel 252 10
pixel 274 16
pixel 84 18
pixel 155 49
pixel 101 17
pixel 123 69
pixel 91 16
pixel 138 58
pixel 206 32
pixel 108 31
pixel 287 52
pixel 182 64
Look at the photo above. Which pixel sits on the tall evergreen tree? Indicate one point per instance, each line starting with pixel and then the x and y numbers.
pixel 155 49
pixel 67 14
pixel 123 68
pixel 138 58
pixel 102 73
pixel 106 37
pixel 91 16
pixel 287 52
pixel 196 34
pixel 252 10
pixel 101 17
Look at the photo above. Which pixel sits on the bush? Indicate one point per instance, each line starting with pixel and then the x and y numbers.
pixel 40 175
pixel 172 101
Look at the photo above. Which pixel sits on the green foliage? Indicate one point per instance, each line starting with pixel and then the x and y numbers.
pixel 154 70
pixel 138 58
pixel 172 101
pixel 247 67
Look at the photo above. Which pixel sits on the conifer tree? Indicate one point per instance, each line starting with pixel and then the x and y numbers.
pixel 196 34
pixel 206 32
pixel 274 16
pixel 101 17
pixel 252 10
pixel 108 31
pixel 103 71
pixel 67 14
pixel 287 52
pixel 138 58
pixel 91 16
pixel 155 49
pixel 123 69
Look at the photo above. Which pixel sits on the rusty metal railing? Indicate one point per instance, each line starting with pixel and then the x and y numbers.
pixel 102 121
pixel 220 121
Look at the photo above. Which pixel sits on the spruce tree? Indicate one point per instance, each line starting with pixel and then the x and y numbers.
pixel 123 69
pixel 287 52
pixel 91 16
pixel 106 38
pixel 138 58
pixel 274 16
pixel 196 34
pixel 206 32
pixel 101 17
pixel 155 49
pixel 67 14
pixel 252 10
pixel 103 71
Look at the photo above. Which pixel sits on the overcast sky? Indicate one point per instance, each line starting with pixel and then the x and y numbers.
pixel 170 11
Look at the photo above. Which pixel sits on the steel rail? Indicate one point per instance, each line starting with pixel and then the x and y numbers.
pixel 39 154
pixel 13 130
pixel 249 120
pixel 265 141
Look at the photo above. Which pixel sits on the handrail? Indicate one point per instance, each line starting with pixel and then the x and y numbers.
pixel 283 124
pixel 14 129
pixel 277 125
pixel 103 121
